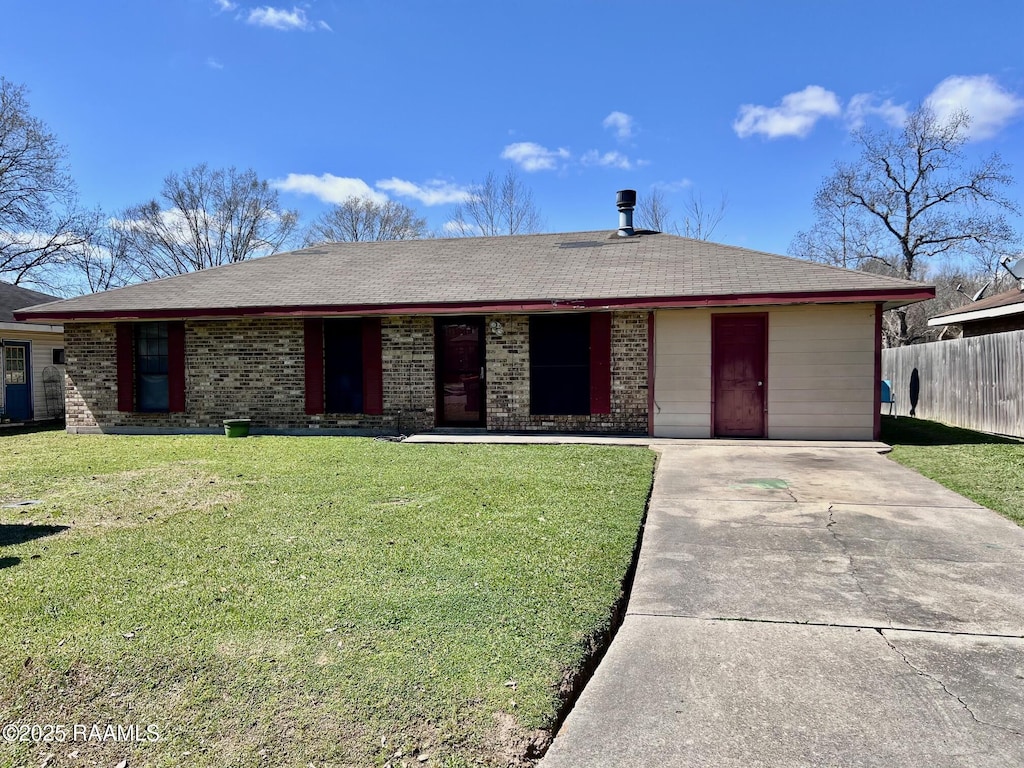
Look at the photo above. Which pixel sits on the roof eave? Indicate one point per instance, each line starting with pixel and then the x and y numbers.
pixel 889 297
pixel 978 314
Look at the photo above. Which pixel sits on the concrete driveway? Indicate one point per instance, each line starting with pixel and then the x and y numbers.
pixel 810 606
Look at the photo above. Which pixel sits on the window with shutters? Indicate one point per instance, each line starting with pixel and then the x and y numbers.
pixel 343 366
pixel 151 368
pixel 559 364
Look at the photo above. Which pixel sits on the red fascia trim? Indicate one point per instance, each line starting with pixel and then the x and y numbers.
pixel 601 362
pixel 488 307
pixel 878 372
pixel 650 374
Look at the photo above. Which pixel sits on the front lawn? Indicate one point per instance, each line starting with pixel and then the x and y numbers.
pixel 293 601
pixel 986 468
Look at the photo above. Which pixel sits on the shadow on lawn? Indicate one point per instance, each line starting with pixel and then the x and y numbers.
pixel 907 430
pixel 19 533
pixel 31 427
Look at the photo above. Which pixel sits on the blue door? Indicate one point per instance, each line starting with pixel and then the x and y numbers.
pixel 17 381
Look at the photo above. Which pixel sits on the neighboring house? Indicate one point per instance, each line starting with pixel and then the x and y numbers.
pixel 613 332
pixel 994 314
pixel 29 349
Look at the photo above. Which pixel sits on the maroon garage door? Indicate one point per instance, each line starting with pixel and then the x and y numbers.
pixel 738 353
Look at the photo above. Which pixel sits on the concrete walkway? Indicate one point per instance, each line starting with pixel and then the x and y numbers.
pixel 809 606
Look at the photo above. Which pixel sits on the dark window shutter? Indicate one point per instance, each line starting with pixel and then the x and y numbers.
pixel 373 367
pixel 176 367
pixel 601 363
pixel 125 367
pixel 314 338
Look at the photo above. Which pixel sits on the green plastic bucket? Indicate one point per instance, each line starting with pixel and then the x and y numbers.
pixel 236 427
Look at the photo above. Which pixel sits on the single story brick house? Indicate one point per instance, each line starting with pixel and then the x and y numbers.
pixel 617 332
pixel 31 360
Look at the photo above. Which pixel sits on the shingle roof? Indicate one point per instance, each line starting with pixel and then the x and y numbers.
pixel 14 297
pixel 519 270
pixel 1009 302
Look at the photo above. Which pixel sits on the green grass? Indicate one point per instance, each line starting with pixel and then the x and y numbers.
pixel 284 601
pixel 986 468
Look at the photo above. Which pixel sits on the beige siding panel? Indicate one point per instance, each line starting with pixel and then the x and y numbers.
pixel 682 389
pixel 41 356
pixel 851 391
pixel 821 371
pixel 677 419
pixel 811 408
pixel 792 345
pixel 832 421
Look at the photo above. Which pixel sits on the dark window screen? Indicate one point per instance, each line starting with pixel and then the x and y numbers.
pixel 151 387
pixel 343 366
pixel 559 364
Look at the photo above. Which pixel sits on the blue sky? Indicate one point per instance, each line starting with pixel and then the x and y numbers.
pixel 416 100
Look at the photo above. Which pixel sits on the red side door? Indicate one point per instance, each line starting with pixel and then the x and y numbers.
pixel 739 346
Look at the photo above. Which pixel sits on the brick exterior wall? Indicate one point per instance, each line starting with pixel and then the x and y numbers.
pixel 508 379
pixel 255 368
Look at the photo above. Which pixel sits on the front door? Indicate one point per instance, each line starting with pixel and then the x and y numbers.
pixel 460 372
pixel 738 352
pixel 17 381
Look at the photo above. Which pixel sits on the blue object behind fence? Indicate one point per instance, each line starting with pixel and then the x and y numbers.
pixel 887 396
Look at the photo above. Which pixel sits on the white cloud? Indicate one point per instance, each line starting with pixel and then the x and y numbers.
pixel 324 26
pixel 456 229
pixel 673 186
pixel 620 124
pixel 434 192
pixel 989 104
pixel 328 187
pixel 225 5
pixel 607 159
pixel 284 20
pixel 865 105
pixel 212 63
pixel 533 157
pixel 796 115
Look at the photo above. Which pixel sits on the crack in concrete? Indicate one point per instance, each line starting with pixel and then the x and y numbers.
pixel 942 685
pixel 829 526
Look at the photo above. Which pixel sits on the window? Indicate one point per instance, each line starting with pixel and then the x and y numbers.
pixel 58 356
pixel 14 365
pixel 151 367
pixel 560 364
pixel 343 366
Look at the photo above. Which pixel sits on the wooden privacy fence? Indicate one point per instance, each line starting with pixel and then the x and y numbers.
pixel 977 383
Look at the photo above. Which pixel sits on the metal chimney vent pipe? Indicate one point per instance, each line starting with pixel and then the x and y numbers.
pixel 625 199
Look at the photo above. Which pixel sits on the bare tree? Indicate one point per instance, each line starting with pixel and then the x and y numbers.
pixel 40 221
pixel 652 212
pixel 496 208
pixel 700 219
pixel 839 236
pixel 915 199
pixel 106 261
pixel 360 218
pixel 206 218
